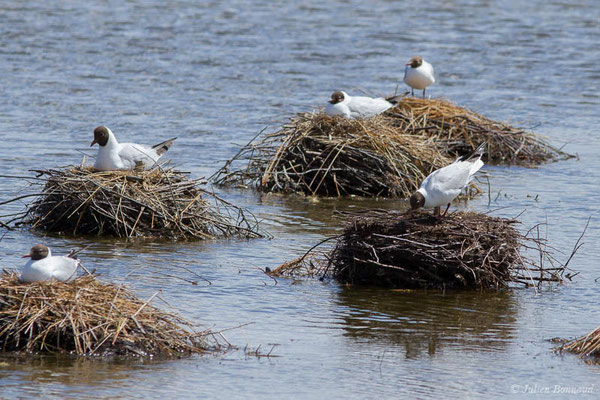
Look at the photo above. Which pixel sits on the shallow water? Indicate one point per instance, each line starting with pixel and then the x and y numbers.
pixel 214 74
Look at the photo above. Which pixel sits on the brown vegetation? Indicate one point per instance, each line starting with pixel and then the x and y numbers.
pixel 87 317
pixel 417 250
pixel 155 203
pixel 388 155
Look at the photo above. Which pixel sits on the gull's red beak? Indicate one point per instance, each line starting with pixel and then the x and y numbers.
pixel 93 142
pixel 26 255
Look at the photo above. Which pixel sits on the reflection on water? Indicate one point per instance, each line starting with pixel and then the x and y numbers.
pixel 426 322
pixel 68 370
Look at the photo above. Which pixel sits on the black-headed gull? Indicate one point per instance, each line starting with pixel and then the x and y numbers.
pixel 355 107
pixel 445 184
pixel 44 266
pixel 418 74
pixel 114 155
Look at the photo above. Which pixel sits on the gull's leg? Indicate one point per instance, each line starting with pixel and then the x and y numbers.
pixel 436 212
pixel 423 93
pixel 447 207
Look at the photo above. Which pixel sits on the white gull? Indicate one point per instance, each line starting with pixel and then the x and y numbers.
pixel 356 107
pixel 113 155
pixel 418 74
pixel 445 184
pixel 44 266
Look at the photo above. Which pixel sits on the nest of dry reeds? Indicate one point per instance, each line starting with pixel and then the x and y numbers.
pixel 587 346
pixel 319 155
pixel 416 250
pixel 388 155
pixel 87 317
pixel 457 131
pixel 161 203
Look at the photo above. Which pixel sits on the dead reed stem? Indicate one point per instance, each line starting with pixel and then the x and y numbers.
pixel 587 346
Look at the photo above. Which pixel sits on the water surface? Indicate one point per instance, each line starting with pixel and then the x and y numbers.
pixel 214 74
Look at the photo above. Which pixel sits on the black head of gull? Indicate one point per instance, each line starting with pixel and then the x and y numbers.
pixel 417 200
pixel 337 97
pixel 100 136
pixel 38 252
pixel 415 62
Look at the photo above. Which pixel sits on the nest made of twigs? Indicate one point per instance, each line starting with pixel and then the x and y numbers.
pixel 161 203
pixel 319 155
pixel 388 155
pixel 457 131
pixel 87 317
pixel 464 250
pixel 587 346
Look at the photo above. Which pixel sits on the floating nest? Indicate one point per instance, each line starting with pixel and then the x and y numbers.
pixel 87 317
pixel 332 156
pixel 388 155
pixel 161 203
pixel 457 131
pixel 587 346
pixel 465 250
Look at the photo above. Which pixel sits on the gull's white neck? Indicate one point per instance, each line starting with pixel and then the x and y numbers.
pixel 112 141
pixel 346 98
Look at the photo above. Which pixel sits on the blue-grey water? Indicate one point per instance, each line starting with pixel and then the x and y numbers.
pixel 215 73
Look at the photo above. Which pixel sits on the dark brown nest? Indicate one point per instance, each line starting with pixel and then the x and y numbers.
pixel 463 250
pixel 388 155
pixel 457 131
pixel 87 317
pixel 316 154
pixel 162 203
pixel 587 346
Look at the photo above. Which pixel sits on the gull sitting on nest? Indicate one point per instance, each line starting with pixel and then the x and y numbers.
pixel 43 266
pixel 113 155
pixel 356 107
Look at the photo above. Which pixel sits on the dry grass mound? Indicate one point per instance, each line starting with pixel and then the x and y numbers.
pixel 388 155
pixel 587 346
pixel 319 155
pixel 465 250
pixel 161 203
pixel 457 131
pixel 87 317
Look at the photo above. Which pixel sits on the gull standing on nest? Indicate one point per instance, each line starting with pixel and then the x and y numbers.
pixel 43 266
pixel 113 155
pixel 445 184
pixel 356 107
pixel 418 74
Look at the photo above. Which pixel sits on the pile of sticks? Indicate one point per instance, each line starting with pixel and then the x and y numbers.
pixel 87 317
pixel 457 131
pixel 387 156
pixel 162 203
pixel 319 155
pixel 587 346
pixel 465 250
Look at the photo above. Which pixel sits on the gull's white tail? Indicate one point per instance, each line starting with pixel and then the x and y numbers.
pixel 475 158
